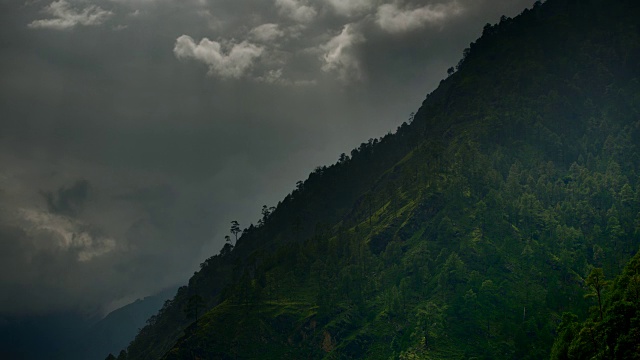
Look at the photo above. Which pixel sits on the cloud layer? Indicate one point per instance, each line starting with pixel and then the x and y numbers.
pixel 232 63
pixel 335 29
pixel 266 33
pixel 338 53
pixel 65 16
pixel 296 10
pixel 393 19
pixel 351 7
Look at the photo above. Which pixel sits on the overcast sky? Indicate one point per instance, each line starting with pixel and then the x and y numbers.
pixel 133 131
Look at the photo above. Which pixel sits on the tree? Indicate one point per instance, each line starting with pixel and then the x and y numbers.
pixel 596 281
pixel 626 195
pixel 235 229
pixel 430 323
pixel 488 297
pixel 194 304
pixel 296 227
pixel 110 357
pixel 122 355
pixel 369 201
pixel 412 116
pixel 452 275
pixel 266 212
pixel 226 249
pixel 567 332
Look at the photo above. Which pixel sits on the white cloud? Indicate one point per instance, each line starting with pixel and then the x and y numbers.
pixel 232 64
pixel 350 7
pixel 65 16
pixel 275 77
pixel 266 33
pixel 213 22
pixel 338 54
pixel 295 10
pixel 61 232
pixel 395 20
pixel 271 77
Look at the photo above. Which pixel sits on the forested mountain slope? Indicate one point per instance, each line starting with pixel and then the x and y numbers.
pixel 466 234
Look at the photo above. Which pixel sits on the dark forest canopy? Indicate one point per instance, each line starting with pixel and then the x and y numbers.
pixel 612 331
pixel 466 234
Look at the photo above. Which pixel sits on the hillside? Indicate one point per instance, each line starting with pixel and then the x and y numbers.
pixel 465 234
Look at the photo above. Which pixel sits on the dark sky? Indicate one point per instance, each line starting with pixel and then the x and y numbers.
pixel 133 131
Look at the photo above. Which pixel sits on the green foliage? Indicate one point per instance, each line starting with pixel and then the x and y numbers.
pixel 615 332
pixel 466 233
pixel 597 283
pixel 567 332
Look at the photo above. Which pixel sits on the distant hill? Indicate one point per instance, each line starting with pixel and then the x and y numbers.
pixel 466 234
pixel 118 328
pixel 69 336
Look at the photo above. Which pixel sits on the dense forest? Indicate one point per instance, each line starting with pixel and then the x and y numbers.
pixel 613 330
pixel 485 227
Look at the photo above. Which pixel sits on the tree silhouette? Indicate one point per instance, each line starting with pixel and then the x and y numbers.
pixel 266 212
pixel 235 229
pixel 122 355
pixel 226 249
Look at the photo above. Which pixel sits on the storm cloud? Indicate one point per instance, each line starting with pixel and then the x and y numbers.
pixel 133 132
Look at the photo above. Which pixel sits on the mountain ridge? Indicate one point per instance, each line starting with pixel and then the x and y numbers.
pixel 485 213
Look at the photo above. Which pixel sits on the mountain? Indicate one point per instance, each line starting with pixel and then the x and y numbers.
pixel 70 335
pixel 466 234
pixel 118 328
